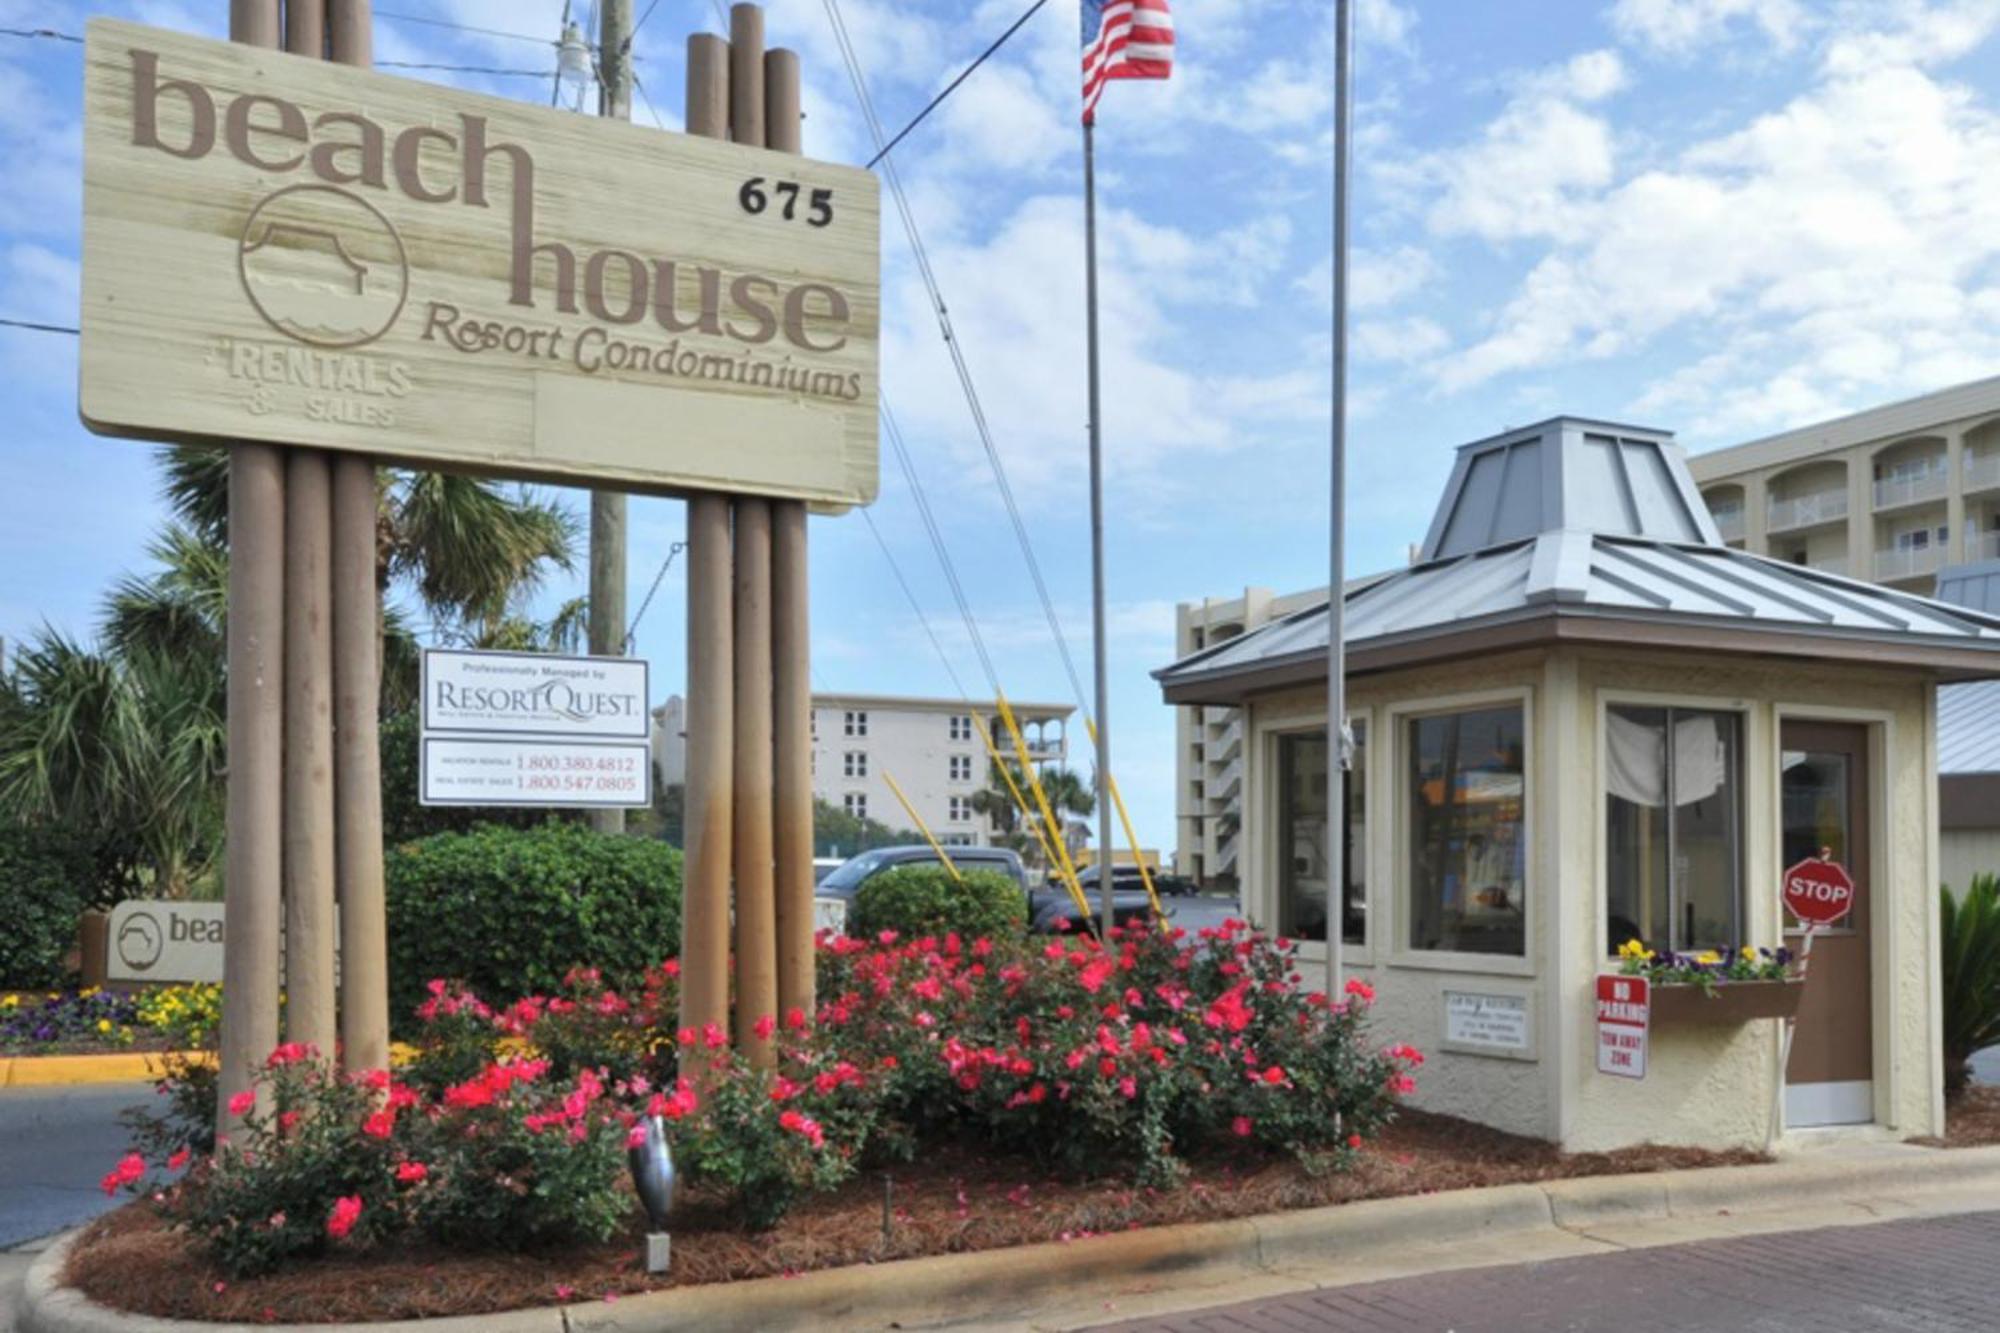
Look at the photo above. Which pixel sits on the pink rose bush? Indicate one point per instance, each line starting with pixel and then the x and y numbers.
pixel 511 1126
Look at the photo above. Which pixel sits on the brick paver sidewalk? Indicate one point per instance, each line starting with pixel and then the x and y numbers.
pixel 1939 1275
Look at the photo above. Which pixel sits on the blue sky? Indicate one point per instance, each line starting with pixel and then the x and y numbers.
pixel 1722 217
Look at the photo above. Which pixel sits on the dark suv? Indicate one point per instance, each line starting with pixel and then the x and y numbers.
pixel 1047 904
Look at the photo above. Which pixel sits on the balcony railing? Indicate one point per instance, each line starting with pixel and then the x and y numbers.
pixel 1893 491
pixel 1800 511
pixel 1982 545
pixel 1908 562
pixel 1982 472
pixel 1729 523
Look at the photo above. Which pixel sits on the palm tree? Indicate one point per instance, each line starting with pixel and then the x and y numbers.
pixel 125 747
pixel 470 550
pixel 1068 794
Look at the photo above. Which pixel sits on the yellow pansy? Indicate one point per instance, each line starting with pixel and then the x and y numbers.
pixel 1708 958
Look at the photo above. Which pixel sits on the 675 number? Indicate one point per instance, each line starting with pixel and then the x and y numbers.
pixel 755 199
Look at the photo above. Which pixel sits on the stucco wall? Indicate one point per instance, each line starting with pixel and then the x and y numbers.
pixel 1711 1086
pixel 1515 1095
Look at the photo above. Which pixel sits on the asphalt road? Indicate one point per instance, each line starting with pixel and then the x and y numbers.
pixel 1932 1275
pixel 55 1144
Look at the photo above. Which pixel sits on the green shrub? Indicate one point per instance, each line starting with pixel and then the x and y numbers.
pixel 1969 952
pixel 925 900
pixel 44 887
pixel 510 912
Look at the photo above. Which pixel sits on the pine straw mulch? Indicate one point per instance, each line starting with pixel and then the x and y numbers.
pixel 953 1201
pixel 1971 1120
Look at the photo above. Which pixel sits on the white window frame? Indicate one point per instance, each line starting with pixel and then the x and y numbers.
pixel 959 809
pixel 855 803
pixel 1749 731
pixel 960 728
pixel 960 767
pixel 1397 717
pixel 854 763
pixel 856 722
pixel 1258 841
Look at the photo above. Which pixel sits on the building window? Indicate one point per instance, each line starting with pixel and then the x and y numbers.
pixel 1673 828
pixel 961 727
pixel 1302 860
pixel 857 723
pixel 961 768
pixel 956 840
pixel 855 803
pixel 961 809
pixel 1468 830
pixel 854 764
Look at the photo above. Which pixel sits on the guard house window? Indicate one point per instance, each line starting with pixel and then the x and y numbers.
pixel 1673 828
pixel 961 727
pixel 961 768
pixel 857 723
pixel 854 764
pixel 855 803
pixel 1302 854
pixel 961 809
pixel 1468 832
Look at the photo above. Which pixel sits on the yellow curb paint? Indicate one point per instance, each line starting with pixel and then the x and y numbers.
pixel 41 1071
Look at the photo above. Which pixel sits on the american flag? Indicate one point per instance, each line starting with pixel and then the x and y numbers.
pixel 1124 39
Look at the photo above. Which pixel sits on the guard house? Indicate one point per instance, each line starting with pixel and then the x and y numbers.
pixel 1580 718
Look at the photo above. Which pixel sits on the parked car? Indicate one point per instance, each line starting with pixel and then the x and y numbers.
pixel 1128 877
pixel 1129 903
pixel 1047 903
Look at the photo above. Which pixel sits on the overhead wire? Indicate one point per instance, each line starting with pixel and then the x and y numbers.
pixel 952 87
pixel 952 344
pixel 37 327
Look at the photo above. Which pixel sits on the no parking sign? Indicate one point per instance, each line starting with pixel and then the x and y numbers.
pixel 1624 1018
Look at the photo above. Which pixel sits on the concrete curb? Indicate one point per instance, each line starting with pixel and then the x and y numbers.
pixel 1015 1282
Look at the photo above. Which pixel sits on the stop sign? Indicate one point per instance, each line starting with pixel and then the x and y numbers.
pixel 1818 892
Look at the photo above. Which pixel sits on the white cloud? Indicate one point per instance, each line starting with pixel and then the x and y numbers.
pixel 1830 249
pixel 1528 174
pixel 1910 32
pixel 1679 27
pixel 1400 340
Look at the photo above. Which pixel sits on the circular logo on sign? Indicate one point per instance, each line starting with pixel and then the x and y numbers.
pixel 323 266
pixel 139 941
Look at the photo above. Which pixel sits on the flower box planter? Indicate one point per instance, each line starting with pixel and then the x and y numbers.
pixel 1730 1002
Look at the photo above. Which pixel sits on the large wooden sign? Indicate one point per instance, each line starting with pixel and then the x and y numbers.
pixel 292 250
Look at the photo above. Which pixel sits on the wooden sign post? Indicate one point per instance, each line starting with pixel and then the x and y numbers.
pixel 279 251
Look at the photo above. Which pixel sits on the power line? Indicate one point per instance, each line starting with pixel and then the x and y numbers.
pixel 53 34
pixel 39 328
pixel 952 87
pixel 41 32
pixel 909 594
pixel 630 37
pixel 462 69
pixel 633 632
pixel 462 27
pixel 647 101
pixel 959 364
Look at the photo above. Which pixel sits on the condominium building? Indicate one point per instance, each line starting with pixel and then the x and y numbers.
pixel 927 747
pixel 1208 741
pixel 1890 495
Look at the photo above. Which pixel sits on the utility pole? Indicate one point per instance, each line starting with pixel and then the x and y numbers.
pixel 607 508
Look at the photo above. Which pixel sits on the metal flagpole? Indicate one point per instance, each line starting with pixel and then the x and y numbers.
pixel 1336 608
pixel 1104 875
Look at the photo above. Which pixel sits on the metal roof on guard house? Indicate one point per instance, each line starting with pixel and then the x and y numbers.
pixel 1578 530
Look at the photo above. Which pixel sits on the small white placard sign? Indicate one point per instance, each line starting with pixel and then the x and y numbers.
pixel 1484 1024
pixel 477 693
pixel 533 770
